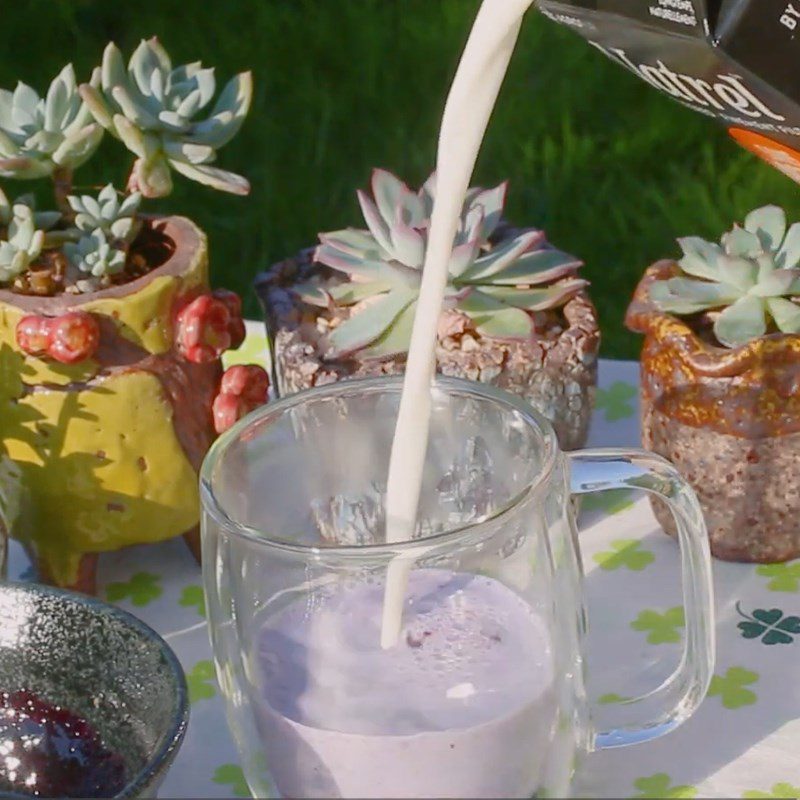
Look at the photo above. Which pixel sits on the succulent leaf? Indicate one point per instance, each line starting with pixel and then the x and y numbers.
pixel 768 224
pixel 395 338
pixel 740 272
pixel 214 177
pixel 492 201
pixel 368 325
pixel 777 283
pixel 700 257
pixel 497 285
pixel 151 177
pixel 748 280
pixel 501 257
pixel 785 313
pixel 39 135
pixel 744 320
pixel 538 299
pixel 462 257
pixel 22 245
pixel 228 113
pixel 741 242
pixel 353 242
pixel 788 256
pixel 375 222
pixel 96 105
pixel 347 294
pixel 496 319
pixel 152 109
pixel 42 220
pixel 388 191
pixel 407 244
pixel 93 254
pixel 533 267
pixel 105 212
pixel 373 270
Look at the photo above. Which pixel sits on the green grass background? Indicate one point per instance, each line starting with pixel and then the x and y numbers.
pixel 612 170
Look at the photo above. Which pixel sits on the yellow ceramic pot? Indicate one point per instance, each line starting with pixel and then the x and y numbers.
pixel 109 447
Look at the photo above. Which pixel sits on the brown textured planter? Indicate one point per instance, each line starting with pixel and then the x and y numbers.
pixel 729 419
pixel 556 372
pixel 108 448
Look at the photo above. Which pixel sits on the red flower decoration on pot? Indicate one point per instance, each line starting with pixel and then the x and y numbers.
pixel 70 338
pixel 242 389
pixel 233 303
pixel 74 337
pixel 33 334
pixel 209 325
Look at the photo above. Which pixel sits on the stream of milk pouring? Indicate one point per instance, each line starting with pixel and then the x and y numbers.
pixel 466 115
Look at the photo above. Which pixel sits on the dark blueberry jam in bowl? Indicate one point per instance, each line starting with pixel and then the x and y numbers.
pixel 93 702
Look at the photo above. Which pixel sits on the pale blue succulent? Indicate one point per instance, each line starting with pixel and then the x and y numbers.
pixel 22 245
pixel 499 287
pixel 94 255
pixel 42 220
pixel 41 135
pixel 105 212
pixel 154 110
pixel 751 281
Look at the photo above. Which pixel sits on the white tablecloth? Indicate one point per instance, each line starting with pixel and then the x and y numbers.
pixel 743 742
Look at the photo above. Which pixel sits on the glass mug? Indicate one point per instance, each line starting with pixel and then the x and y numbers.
pixel 483 695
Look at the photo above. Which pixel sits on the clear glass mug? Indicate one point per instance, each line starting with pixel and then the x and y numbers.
pixel 294 562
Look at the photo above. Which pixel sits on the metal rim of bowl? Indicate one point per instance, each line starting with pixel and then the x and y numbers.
pixel 174 736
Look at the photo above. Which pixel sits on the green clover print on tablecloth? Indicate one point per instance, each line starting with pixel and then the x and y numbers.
pixel 785 577
pixel 611 502
pixel 779 790
pixel 731 688
pixel 142 588
pixel 616 401
pixel 193 596
pixel 769 625
pixel 201 681
pixel 663 628
pixel 625 553
pixel 660 785
pixel 232 775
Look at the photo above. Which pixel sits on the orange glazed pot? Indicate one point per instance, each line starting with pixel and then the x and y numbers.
pixel 729 419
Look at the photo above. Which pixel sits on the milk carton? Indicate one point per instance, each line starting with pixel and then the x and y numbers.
pixel 737 61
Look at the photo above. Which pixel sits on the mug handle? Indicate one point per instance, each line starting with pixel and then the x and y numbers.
pixel 640 719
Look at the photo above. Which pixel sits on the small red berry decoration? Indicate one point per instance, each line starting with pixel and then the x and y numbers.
pixel 33 334
pixel 210 325
pixel 74 337
pixel 70 338
pixel 243 388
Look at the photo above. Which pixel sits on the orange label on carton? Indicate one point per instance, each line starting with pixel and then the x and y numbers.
pixel 780 156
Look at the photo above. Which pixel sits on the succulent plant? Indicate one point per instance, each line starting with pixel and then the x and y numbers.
pixel 41 135
pixel 93 254
pixel 116 219
pixel 22 246
pixel 152 108
pixel 497 286
pixel 748 279
pixel 42 220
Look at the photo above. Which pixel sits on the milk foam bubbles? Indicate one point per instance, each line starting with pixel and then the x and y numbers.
pixel 463 705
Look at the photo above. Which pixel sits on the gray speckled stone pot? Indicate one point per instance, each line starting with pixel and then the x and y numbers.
pixel 556 372
pixel 104 665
